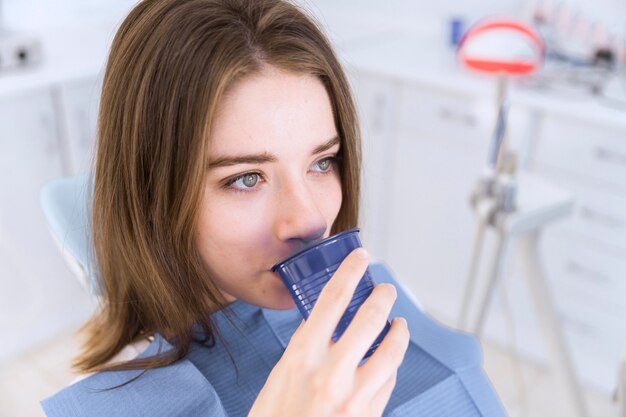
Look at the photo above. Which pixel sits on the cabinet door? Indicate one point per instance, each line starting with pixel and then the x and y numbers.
pixel 376 100
pixel 439 154
pixel 77 105
pixel 39 297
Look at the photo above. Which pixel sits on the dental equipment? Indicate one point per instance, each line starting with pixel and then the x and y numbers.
pixel 504 204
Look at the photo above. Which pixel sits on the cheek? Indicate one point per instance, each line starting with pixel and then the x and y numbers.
pixel 332 199
pixel 228 226
pixel 234 228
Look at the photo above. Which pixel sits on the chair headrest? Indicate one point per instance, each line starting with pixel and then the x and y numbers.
pixel 66 204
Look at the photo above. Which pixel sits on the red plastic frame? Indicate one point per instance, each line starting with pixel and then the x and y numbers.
pixel 493 66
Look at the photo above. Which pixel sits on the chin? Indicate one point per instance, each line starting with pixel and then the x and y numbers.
pixel 286 304
pixel 280 300
pixel 274 297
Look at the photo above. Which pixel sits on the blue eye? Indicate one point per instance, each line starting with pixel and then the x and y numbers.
pixel 244 182
pixel 325 165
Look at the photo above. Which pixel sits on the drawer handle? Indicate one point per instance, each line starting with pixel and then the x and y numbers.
pixel 608 155
pixel 380 105
pixel 51 145
pixel 582 328
pixel 605 219
pixel 83 127
pixel 457 116
pixel 587 273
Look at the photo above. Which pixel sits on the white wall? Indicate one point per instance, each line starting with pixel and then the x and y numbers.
pixel 37 15
pixel 40 14
pixel 422 17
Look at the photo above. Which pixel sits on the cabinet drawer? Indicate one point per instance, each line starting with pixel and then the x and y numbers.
pixel 596 362
pixel 588 330
pixel 594 279
pixel 593 151
pixel 594 338
pixel 598 214
pixel 450 118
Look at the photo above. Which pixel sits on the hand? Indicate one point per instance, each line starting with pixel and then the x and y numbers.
pixel 317 377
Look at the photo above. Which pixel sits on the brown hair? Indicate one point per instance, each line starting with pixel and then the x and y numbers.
pixel 169 64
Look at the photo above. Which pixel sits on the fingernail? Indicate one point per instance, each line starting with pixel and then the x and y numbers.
pixel 362 253
pixel 401 320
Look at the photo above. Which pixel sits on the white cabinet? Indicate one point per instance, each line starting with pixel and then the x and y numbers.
pixel 586 253
pixel 79 107
pixel 376 100
pixel 29 156
pixel 39 297
pixel 594 153
pixel 432 145
pixel 431 150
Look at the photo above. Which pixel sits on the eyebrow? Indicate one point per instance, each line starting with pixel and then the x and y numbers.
pixel 224 161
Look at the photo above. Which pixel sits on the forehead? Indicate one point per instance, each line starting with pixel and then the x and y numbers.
pixel 272 108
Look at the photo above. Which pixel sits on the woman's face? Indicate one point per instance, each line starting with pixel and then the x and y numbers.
pixel 272 185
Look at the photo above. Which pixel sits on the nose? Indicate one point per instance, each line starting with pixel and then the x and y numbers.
pixel 299 220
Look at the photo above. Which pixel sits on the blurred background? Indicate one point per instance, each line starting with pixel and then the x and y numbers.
pixel 428 122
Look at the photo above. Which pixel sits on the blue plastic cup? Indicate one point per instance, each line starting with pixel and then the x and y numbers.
pixel 306 272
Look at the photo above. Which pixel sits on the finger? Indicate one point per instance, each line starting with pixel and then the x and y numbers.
pixel 369 320
pixel 384 363
pixel 381 398
pixel 336 296
pixel 374 405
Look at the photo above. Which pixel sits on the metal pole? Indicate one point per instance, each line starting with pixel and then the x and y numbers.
pixel 495 274
pixel 470 284
pixel 549 321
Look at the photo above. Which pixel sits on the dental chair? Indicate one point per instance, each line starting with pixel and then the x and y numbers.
pixel 465 390
pixel 66 205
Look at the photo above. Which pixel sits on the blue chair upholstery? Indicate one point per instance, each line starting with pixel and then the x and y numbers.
pixel 66 205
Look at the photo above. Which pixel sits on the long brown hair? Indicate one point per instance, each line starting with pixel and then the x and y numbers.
pixel 168 67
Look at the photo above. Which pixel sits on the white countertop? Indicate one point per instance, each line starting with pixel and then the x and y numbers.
pixel 391 50
pixel 414 60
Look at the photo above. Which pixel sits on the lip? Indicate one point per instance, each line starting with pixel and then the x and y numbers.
pixel 274 273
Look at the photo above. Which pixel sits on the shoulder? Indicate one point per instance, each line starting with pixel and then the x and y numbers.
pixel 456 349
pixel 178 389
pixel 450 378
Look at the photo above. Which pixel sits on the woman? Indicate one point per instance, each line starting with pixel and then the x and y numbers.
pixel 227 140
